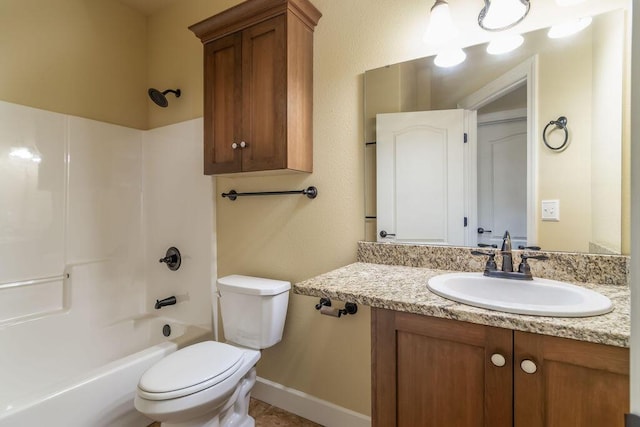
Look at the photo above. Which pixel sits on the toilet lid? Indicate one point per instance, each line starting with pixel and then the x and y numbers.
pixel 190 370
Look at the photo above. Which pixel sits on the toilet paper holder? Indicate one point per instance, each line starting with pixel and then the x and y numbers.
pixel 324 306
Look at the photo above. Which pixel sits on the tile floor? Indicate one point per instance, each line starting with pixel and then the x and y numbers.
pixel 270 416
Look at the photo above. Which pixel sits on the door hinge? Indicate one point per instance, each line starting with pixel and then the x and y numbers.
pixel 466 138
pixel 466 221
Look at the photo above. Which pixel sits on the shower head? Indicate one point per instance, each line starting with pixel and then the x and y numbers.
pixel 159 97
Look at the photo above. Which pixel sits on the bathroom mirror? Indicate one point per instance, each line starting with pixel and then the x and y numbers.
pixel 582 190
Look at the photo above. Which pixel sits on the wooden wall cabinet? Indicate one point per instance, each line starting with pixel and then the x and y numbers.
pixel 436 372
pixel 258 87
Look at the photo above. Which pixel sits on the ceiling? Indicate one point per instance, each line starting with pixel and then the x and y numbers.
pixel 148 7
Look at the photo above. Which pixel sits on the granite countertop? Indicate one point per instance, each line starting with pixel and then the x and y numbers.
pixel 405 289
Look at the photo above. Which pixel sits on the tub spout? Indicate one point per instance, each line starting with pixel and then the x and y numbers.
pixel 164 302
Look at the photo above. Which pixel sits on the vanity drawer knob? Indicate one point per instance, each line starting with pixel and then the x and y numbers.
pixel 243 144
pixel 528 366
pixel 498 360
pixel 234 145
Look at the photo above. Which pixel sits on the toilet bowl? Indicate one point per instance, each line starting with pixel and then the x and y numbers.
pixel 209 384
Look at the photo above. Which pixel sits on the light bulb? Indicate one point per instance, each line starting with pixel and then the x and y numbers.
pixel 440 28
pixel 450 58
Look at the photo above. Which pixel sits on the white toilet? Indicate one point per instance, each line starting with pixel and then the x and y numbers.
pixel 208 384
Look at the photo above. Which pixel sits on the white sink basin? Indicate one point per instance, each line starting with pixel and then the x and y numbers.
pixel 540 297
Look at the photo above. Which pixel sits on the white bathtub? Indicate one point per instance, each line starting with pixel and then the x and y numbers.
pixel 86 382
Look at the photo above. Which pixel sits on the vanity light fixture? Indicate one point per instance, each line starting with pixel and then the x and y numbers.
pixel 569 28
pixel 504 44
pixel 450 58
pixel 440 28
pixel 499 15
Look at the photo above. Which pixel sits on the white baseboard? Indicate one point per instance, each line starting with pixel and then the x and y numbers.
pixel 309 407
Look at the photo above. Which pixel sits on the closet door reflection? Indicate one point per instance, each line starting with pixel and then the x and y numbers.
pixel 502 179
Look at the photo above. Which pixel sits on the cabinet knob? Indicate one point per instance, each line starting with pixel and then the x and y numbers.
pixel 243 144
pixel 528 366
pixel 234 146
pixel 498 360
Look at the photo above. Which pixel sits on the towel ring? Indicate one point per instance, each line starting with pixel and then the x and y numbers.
pixel 561 123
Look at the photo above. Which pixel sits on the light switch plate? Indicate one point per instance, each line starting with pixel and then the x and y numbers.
pixel 550 210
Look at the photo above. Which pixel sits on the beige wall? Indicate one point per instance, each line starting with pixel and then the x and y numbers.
pixel 85 58
pixel 175 58
pixel 93 58
pixel 606 124
pixel 96 59
pixel 565 78
pixel 295 238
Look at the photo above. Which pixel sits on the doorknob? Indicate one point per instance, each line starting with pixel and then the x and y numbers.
pixel 482 230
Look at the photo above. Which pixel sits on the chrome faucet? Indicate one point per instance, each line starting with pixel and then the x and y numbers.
pixel 506 272
pixel 507 257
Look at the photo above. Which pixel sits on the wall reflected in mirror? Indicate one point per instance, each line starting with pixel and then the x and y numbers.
pixel 584 77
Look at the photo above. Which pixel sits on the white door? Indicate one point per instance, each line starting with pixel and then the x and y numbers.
pixel 502 181
pixel 420 177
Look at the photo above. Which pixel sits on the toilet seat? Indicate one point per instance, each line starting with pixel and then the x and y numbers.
pixel 190 370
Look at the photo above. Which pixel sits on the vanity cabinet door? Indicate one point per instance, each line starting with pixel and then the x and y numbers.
pixel 575 383
pixel 436 372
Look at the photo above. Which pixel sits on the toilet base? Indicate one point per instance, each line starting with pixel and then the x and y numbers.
pixel 249 421
pixel 234 414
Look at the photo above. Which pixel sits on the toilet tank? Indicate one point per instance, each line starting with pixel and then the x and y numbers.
pixel 253 309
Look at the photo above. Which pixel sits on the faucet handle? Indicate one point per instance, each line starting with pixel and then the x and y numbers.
pixel 533 248
pixel 491 261
pixel 524 267
pixel 486 253
pixel 487 245
pixel 528 256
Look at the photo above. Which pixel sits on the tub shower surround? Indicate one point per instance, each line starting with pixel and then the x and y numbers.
pixel 85 208
pixel 96 387
pixel 395 277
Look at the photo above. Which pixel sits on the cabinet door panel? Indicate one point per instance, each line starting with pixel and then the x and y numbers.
pixel 440 382
pixel 264 94
pixel 222 104
pixel 442 372
pixel 576 383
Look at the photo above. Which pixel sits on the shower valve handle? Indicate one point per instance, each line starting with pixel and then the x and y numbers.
pixel 169 259
pixel 172 258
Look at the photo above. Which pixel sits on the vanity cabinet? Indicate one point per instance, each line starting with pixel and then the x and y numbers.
pixel 258 87
pixel 437 372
